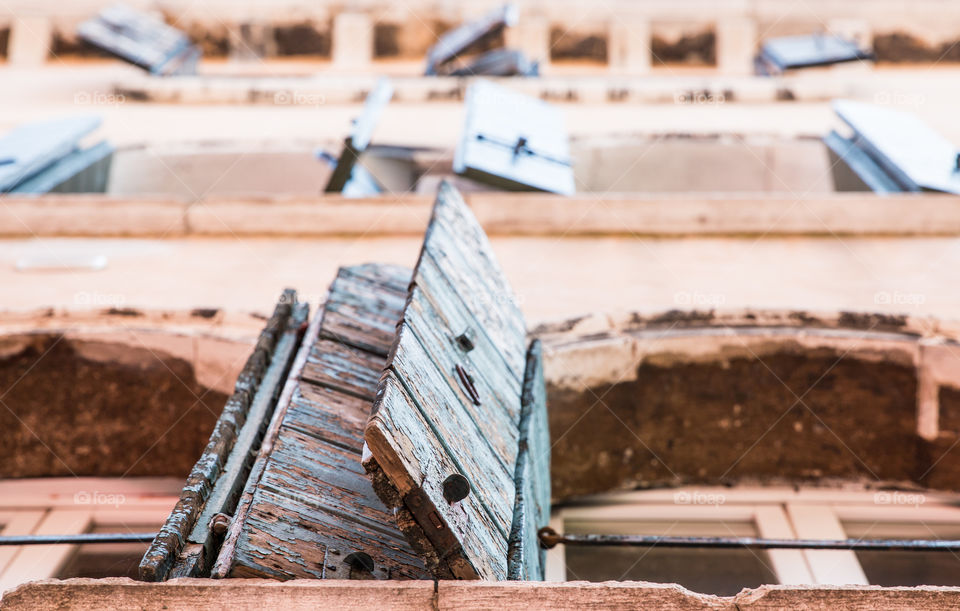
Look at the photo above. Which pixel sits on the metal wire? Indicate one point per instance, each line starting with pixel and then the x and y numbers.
pixel 83 538
pixel 549 538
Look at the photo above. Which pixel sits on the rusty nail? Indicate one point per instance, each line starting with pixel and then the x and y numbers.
pixel 360 561
pixel 466 382
pixel 465 340
pixel 219 523
pixel 455 488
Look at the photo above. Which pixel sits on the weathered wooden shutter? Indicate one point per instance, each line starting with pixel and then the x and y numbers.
pixel 469 35
pixel 900 145
pixel 309 511
pixel 454 437
pixel 46 156
pixel 141 39
pixel 513 141
pixel 793 52
pixel 349 178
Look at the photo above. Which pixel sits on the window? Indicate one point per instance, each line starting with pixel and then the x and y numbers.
pixel 782 513
pixel 63 506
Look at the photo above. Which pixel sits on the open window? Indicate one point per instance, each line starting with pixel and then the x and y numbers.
pixel 773 513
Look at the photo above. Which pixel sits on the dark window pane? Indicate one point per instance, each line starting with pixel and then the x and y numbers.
pixel 893 568
pixel 105 560
pixel 710 571
pixel 907 568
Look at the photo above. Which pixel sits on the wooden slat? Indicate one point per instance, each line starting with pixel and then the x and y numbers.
pixel 167 552
pixel 458 247
pixel 312 504
pixel 806 51
pixel 497 412
pixel 141 39
pixel 346 369
pixel 532 508
pixel 419 465
pixel 227 489
pixel 854 170
pixel 80 171
pixel 487 355
pixel 363 308
pixel 448 407
pixel 500 62
pixel 451 429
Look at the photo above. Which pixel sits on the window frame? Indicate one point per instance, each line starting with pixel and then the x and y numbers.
pixel 778 512
pixel 65 506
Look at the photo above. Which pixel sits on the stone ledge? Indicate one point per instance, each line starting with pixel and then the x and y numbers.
pixel 257 594
pixel 515 214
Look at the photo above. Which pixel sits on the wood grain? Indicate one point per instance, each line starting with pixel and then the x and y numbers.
pixel 451 407
pixel 313 505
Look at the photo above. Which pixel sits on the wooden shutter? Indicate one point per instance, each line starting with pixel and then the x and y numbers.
pixel 347 177
pixel 468 36
pixel 449 410
pixel 514 142
pixel 141 39
pixel 792 52
pixel 28 151
pixel 912 154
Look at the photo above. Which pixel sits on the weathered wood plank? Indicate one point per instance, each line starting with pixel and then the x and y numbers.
pixel 226 491
pixel 316 496
pixel 417 465
pixel 385 276
pixel 166 547
pixel 451 309
pixel 344 368
pixel 312 505
pixel 80 171
pixel 497 399
pixel 456 243
pixel 363 307
pixel 341 423
pixel 452 431
pixel 532 507
pixel 448 406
